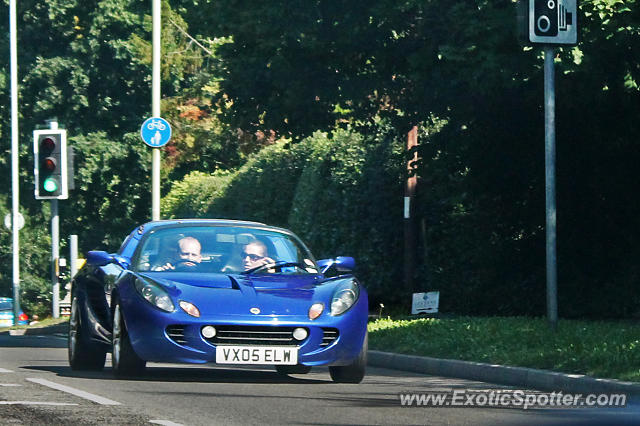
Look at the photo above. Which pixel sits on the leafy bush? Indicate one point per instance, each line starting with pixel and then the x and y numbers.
pixel 263 189
pixel 349 202
pixel 112 193
pixel 35 245
pixel 192 196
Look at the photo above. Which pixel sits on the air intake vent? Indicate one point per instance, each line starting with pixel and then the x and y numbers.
pixel 330 335
pixel 176 333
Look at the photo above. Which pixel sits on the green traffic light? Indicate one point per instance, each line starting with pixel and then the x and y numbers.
pixel 50 185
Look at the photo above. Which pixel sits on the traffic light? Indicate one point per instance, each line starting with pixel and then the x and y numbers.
pixel 50 168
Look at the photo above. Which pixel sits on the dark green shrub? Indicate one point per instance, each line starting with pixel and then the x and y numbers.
pixel 263 189
pixel 349 202
pixel 192 196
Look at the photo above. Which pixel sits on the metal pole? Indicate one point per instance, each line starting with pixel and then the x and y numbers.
pixel 550 184
pixel 15 190
pixel 55 254
pixel 155 107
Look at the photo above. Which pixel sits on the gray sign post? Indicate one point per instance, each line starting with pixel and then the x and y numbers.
pixel 551 22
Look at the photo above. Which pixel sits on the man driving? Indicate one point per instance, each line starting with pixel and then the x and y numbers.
pixel 189 255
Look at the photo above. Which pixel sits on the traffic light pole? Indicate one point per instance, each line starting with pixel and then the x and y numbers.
pixel 15 150
pixel 55 255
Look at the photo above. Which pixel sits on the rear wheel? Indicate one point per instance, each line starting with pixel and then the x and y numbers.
pixel 124 360
pixel 354 372
pixel 285 370
pixel 83 354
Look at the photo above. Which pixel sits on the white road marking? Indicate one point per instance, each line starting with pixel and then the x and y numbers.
pixel 4 370
pixel 82 394
pixel 6 385
pixel 164 422
pixel 34 403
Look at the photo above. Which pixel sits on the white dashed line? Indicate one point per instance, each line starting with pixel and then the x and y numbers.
pixel 7 385
pixel 34 403
pixel 82 394
pixel 164 422
pixel 4 370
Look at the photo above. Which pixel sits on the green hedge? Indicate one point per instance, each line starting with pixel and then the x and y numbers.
pixel 349 202
pixel 192 196
pixel 263 189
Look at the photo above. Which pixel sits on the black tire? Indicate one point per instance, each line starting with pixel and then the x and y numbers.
pixel 83 354
pixel 354 372
pixel 285 370
pixel 124 361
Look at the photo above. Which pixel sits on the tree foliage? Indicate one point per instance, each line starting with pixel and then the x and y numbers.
pixel 237 76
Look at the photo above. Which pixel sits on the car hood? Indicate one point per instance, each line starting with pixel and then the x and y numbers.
pixel 237 294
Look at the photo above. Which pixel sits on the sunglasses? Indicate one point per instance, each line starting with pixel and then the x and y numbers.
pixel 253 257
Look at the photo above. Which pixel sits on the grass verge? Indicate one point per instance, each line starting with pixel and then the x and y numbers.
pixel 607 349
pixel 40 324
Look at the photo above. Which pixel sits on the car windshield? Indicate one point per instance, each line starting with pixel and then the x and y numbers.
pixel 222 249
pixel 6 305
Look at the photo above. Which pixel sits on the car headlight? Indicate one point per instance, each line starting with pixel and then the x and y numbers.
pixel 154 294
pixel 344 297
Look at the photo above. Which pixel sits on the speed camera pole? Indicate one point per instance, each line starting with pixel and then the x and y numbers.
pixel 550 23
pixel 550 185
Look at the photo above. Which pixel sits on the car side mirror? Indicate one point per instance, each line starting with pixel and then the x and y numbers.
pixel 340 263
pixel 102 258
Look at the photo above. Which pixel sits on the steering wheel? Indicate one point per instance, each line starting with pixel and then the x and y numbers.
pixel 275 265
pixel 184 265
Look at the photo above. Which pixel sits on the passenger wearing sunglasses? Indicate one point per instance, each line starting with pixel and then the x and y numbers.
pixel 254 255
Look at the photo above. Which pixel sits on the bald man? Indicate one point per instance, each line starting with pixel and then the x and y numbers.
pixel 189 255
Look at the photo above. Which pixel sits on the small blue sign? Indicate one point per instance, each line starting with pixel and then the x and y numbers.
pixel 155 132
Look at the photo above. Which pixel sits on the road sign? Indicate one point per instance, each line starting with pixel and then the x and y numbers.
pixel 425 303
pixel 553 21
pixel 155 132
pixel 8 221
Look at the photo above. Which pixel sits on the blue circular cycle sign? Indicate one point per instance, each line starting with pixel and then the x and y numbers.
pixel 155 132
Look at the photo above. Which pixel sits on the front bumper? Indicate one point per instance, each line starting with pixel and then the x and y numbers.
pixel 159 336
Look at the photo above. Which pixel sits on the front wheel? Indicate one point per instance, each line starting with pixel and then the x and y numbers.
pixel 124 360
pixel 354 372
pixel 83 354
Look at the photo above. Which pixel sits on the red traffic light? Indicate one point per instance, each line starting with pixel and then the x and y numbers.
pixel 48 144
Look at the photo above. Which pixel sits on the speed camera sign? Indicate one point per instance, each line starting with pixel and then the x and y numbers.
pixel 553 21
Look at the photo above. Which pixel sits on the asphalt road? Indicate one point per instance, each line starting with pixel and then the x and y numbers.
pixel 37 387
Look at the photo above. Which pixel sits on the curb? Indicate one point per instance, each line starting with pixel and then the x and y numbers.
pixel 530 378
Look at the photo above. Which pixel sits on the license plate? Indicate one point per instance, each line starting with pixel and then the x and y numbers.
pixel 271 355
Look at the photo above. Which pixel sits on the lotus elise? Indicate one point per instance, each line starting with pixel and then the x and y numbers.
pixel 218 291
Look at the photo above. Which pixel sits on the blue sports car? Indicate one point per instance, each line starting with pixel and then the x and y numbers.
pixel 223 291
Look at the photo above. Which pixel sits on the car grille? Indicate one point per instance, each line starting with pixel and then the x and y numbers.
pixel 329 336
pixel 253 335
pixel 176 333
